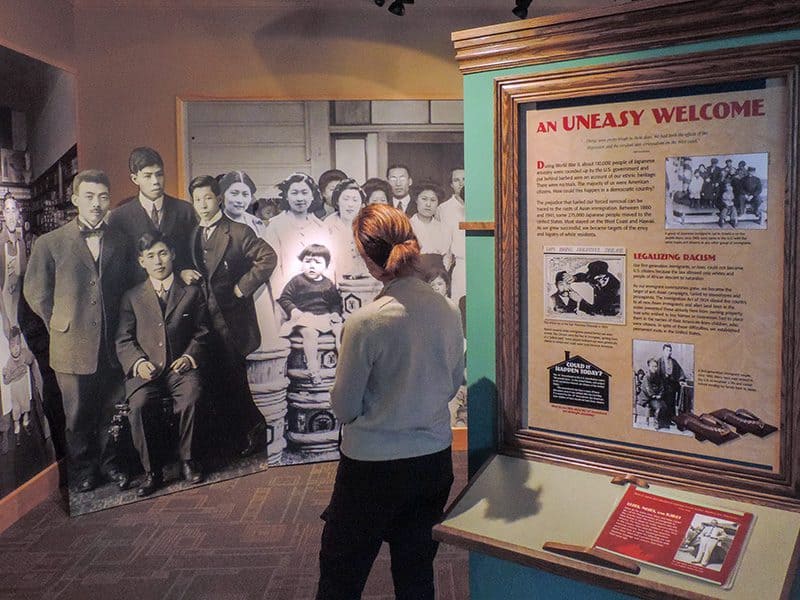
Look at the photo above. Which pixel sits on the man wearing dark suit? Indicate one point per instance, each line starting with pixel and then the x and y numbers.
pixel 400 181
pixel 161 341
pixel 74 281
pixel 233 263
pixel 152 210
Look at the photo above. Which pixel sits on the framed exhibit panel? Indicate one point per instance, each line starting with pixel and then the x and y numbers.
pixel 646 269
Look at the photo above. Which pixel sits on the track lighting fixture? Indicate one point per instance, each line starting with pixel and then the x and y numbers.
pixel 521 9
pixel 397 8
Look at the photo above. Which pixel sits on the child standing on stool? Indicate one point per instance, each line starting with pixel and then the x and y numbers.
pixel 313 304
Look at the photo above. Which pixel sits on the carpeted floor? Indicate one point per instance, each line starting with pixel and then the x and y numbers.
pixel 252 537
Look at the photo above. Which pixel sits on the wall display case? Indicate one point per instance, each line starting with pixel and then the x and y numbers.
pixel 643 165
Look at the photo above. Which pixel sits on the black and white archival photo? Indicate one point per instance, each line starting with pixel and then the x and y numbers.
pixel 584 284
pixel 707 542
pixel 33 157
pixel 717 191
pixel 296 173
pixel 663 384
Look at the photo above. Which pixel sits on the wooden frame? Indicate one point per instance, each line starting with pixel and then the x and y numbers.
pixel 768 61
pixel 611 29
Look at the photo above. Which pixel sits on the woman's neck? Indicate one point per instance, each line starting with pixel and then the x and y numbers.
pixel 239 219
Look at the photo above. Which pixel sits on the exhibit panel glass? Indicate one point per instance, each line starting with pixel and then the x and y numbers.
pixel 646 212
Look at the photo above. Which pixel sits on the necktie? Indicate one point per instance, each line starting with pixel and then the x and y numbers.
pixel 207 232
pixel 154 215
pixel 92 237
pixel 88 232
pixel 162 297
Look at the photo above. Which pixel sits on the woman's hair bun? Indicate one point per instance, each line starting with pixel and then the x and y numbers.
pixel 384 234
pixel 402 256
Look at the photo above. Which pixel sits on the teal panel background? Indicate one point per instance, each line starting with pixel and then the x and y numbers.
pixel 492 578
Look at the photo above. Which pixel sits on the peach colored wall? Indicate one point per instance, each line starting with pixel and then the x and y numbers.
pixel 42 29
pixel 132 64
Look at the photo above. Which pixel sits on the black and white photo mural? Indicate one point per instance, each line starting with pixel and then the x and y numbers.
pixel 296 173
pixel 37 156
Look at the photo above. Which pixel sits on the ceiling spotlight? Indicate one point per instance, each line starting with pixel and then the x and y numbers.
pixel 521 9
pixel 397 8
pixel 380 2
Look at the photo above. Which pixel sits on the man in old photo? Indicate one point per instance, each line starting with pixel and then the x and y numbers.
pixel 161 342
pixel 400 181
pixel 74 281
pixel 672 374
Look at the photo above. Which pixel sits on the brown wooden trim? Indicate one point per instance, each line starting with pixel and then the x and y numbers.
pixel 28 496
pixel 565 567
pixel 476 225
pixel 781 488
pixel 602 31
pixel 593 555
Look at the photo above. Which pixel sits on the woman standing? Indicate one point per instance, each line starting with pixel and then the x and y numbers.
pixel 377 190
pixel 238 191
pixel 296 227
pixel 401 361
pixel 347 198
pixel 434 236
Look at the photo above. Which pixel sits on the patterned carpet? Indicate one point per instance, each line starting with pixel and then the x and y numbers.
pixel 246 538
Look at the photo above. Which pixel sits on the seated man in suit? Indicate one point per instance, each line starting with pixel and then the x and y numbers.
pixel 161 341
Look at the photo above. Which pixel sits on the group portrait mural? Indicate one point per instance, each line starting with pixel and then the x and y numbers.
pixel 196 339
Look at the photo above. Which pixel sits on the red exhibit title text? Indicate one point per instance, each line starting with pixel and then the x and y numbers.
pixel 707 111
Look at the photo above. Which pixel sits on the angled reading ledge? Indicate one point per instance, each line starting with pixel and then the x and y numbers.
pixel 514 506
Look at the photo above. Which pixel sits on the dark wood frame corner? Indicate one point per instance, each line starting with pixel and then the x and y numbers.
pixel 762 61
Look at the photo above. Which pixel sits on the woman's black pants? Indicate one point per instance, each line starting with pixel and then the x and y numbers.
pixel 397 501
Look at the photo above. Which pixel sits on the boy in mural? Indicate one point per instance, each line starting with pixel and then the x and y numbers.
pixel 313 304
pixel 75 278
pixel 152 210
pixel 233 263
pixel 160 342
